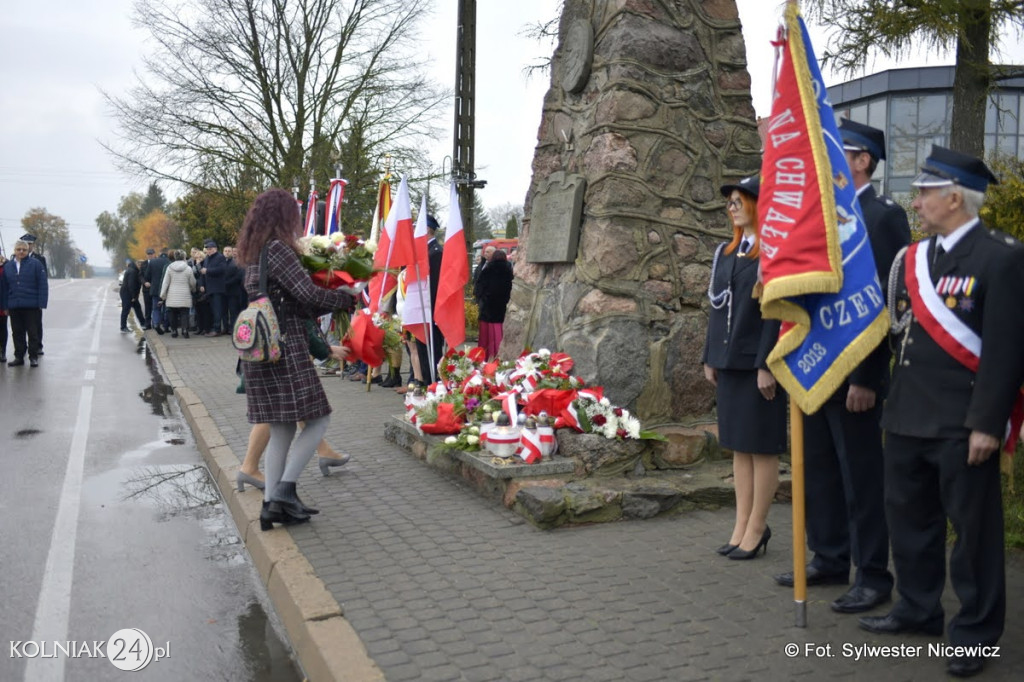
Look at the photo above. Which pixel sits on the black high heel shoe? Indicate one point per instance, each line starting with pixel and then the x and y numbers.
pixel 726 550
pixel 742 554
pixel 273 512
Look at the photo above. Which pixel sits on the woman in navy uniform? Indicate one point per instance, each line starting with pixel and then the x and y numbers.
pixel 948 410
pixel 751 407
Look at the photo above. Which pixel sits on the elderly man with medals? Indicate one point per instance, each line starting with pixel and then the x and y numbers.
pixel 958 324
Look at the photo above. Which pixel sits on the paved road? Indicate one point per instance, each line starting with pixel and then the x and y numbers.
pixel 110 519
pixel 442 584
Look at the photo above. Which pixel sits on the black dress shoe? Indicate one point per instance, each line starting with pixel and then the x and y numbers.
pixel 858 599
pixel 965 666
pixel 17 362
pixel 725 549
pixel 894 625
pixel 33 362
pixel 815 576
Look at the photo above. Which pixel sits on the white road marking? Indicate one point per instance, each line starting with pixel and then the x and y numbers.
pixel 53 609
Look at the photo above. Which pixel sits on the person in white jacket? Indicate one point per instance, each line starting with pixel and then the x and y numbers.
pixel 176 293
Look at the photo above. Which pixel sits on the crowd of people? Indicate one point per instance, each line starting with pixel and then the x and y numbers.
pixel 201 292
pixel 895 452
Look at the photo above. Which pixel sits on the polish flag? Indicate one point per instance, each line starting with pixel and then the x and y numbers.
pixel 450 307
pixel 417 315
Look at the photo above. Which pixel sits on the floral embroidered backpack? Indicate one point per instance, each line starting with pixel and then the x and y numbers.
pixel 257 334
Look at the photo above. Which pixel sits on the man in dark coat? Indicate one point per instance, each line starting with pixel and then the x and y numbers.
pixel 30 239
pixel 147 300
pixel 214 270
pixel 233 287
pixel 151 282
pixel 24 293
pixel 435 252
pixel 843 440
pixel 131 285
pixel 958 326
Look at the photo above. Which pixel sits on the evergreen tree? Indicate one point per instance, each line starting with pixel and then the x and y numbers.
pixel 893 28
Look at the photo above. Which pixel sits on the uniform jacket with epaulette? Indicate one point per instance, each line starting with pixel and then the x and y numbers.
pixel 935 396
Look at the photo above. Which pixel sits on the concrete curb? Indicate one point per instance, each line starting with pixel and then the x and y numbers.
pixel 325 643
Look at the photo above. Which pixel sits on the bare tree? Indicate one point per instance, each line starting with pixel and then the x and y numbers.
pixel 242 94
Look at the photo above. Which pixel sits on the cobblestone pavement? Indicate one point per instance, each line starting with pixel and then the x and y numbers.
pixel 443 584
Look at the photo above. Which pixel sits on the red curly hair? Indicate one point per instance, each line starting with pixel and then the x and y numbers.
pixel 750 210
pixel 273 215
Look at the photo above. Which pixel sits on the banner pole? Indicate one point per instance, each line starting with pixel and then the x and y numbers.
pixel 796 427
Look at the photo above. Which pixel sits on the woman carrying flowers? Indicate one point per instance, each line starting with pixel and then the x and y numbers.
pixel 288 391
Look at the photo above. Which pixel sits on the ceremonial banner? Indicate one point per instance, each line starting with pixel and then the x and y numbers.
pixel 450 307
pixel 335 195
pixel 817 268
pixel 311 213
pixel 383 282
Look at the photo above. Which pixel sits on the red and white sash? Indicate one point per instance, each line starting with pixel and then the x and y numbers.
pixel 948 330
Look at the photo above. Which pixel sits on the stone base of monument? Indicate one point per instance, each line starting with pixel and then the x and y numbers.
pixel 592 479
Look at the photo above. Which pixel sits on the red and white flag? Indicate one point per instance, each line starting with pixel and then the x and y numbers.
pixel 417 315
pixel 450 306
pixel 335 195
pixel 311 213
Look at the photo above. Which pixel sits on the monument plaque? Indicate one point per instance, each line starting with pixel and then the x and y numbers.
pixel 555 219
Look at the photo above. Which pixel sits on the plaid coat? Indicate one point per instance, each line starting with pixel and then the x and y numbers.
pixel 289 390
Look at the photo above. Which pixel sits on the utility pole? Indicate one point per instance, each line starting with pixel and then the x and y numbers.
pixel 463 168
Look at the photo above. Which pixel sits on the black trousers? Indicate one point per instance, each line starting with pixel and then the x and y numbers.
pixel 926 480
pixel 177 319
pixel 430 372
pixel 845 493
pixel 3 336
pixel 128 305
pixel 26 326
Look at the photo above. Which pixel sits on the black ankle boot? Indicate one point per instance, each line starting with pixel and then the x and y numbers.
pixel 285 495
pixel 274 512
pixel 393 379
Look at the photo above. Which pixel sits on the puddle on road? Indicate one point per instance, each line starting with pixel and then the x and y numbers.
pixel 158 393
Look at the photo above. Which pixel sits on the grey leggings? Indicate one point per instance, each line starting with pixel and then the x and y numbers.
pixel 278 466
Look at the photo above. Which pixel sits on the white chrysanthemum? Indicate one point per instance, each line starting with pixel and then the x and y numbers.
pixel 474 430
pixel 544 353
pixel 450 440
pixel 606 402
pixel 371 245
pixel 320 241
pixel 338 237
pixel 472 440
pixel 632 426
pixel 609 429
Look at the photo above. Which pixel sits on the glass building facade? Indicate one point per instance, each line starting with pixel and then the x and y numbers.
pixel 914 107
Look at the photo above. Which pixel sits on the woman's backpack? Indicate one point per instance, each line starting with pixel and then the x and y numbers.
pixel 257 333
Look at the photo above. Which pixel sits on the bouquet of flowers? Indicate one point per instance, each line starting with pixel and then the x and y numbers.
pixel 392 327
pixel 338 261
pixel 536 383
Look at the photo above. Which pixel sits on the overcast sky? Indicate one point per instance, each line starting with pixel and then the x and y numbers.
pixel 53 64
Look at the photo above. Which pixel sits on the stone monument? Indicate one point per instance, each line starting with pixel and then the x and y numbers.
pixel 649 112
